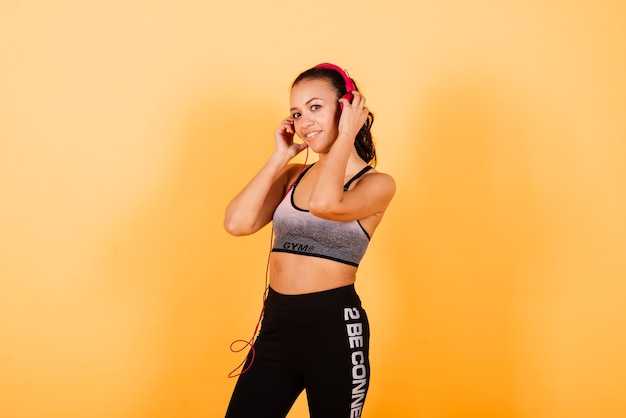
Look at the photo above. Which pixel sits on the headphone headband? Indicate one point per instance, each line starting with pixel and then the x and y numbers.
pixel 346 78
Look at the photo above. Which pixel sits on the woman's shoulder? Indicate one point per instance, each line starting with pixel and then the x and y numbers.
pixel 380 176
pixel 379 181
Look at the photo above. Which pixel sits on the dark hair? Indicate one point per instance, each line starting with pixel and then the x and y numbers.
pixel 363 142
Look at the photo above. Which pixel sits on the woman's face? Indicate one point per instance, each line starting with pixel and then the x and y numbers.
pixel 315 111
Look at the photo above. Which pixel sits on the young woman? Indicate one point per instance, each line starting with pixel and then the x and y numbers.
pixel 315 334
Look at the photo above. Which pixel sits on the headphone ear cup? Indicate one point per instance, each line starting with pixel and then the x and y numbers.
pixel 348 96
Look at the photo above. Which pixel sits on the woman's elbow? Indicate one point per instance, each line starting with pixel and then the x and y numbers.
pixel 235 228
pixel 321 209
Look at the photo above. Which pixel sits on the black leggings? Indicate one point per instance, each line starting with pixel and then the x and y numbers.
pixel 318 342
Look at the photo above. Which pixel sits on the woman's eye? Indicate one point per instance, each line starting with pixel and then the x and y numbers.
pixel 315 107
pixel 295 115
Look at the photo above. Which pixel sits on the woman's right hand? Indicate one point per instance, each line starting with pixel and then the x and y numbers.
pixel 284 139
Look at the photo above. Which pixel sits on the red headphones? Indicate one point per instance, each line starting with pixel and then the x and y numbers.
pixel 350 87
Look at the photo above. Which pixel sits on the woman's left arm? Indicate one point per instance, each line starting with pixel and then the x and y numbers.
pixel 371 194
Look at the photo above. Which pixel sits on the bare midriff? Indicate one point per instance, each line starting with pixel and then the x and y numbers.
pixel 293 274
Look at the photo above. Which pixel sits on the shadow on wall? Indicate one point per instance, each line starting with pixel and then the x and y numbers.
pixel 172 264
pixel 469 221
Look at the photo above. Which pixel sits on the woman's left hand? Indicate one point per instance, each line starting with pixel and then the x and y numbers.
pixel 353 115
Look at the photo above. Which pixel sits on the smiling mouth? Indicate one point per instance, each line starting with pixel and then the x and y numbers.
pixel 312 134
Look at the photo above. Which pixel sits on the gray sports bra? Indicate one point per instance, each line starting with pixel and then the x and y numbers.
pixel 297 231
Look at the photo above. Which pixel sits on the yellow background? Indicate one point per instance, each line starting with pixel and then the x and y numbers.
pixel 495 285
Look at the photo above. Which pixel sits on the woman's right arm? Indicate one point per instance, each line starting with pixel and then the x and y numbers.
pixel 254 206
